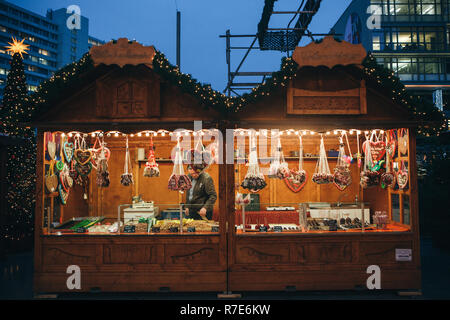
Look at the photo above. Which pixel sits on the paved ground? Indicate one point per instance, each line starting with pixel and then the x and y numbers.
pixel 17 276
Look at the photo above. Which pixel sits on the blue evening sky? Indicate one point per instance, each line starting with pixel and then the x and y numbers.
pixel 153 22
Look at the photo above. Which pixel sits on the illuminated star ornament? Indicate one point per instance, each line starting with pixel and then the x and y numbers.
pixel 17 47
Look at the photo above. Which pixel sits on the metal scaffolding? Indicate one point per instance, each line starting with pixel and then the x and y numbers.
pixel 274 39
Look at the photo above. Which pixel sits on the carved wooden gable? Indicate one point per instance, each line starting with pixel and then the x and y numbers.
pixel 327 98
pixel 348 101
pixel 128 95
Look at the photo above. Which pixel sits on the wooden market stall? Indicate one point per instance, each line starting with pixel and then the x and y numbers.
pixel 330 96
pixel 283 239
pixel 119 96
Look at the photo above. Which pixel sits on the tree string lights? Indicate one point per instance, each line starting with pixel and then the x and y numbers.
pixel 21 159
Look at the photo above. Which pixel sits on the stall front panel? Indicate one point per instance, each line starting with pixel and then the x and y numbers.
pixel 112 166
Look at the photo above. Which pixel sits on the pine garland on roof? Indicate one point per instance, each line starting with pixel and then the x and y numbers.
pixel 391 85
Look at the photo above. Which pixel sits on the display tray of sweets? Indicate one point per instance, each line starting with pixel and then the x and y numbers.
pixel 77 224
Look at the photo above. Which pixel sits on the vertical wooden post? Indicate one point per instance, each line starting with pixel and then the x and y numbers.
pixel 414 197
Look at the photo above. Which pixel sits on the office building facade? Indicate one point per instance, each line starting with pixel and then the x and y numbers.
pixel 409 37
pixel 52 45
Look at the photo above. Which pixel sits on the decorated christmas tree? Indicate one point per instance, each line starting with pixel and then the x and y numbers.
pixel 20 164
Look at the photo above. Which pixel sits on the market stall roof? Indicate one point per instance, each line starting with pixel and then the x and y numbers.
pixel 327 54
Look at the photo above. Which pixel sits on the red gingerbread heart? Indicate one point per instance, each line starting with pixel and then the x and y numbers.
pixel 290 181
pixel 377 149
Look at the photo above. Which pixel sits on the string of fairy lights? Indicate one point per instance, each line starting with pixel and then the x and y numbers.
pixel 215 132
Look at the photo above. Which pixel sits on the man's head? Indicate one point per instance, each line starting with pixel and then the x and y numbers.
pixel 194 173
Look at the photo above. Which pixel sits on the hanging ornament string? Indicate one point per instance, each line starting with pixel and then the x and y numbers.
pixel 350 155
pixel 342 175
pixel 369 178
pixel 322 174
pixel 388 178
pixel 179 181
pixel 151 167
pixel 297 179
pixel 254 179
pixel 126 178
pixel 358 155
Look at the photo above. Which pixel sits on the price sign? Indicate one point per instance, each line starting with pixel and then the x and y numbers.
pixel 80 230
pixel 156 229
pixel 173 229
pixel 129 229
pixel 215 229
pixel 278 228
pixel 191 229
pixel 263 228
pixel 403 255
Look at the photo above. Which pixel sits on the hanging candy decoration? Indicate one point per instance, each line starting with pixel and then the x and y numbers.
pixel 241 200
pixel 72 171
pixel 126 178
pixel 369 178
pixel 388 178
pixel 297 179
pixel 403 142
pixel 102 167
pixel 358 155
pixel 64 179
pixel 68 151
pixel 322 174
pixel 342 175
pixel 59 165
pixel 63 195
pixel 377 149
pixel 179 181
pixel 254 179
pixel 279 168
pixel 198 158
pixel 402 177
pixel 391 143
pixel 51 146
pixel 151 167
pixel 97 151
pixel 82 157
pixel 51 179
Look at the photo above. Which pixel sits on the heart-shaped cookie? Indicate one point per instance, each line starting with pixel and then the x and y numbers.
pixel 51 182
pixel 96 155
pixel 377 149
pixel 390 148
pixel 83 156
pixel 63 195
pixel 51 149
pixel 297 180
pixel 83 170
pixel 68 151
pixel 402 179
pixel 403 145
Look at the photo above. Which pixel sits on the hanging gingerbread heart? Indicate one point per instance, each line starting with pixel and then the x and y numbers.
pixel 403 142
pixel 68 151
pixel 63 182
pixel 51 182
pixel 51 149
pixel 96 155
pixel 83 156
pixel 391 147
pixel 297 180
pixel 402 177
pixel 83 170
pixel 63 195
pixel 51 179
pixel 377 148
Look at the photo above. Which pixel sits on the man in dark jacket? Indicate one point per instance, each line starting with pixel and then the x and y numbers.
pixel 201 197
